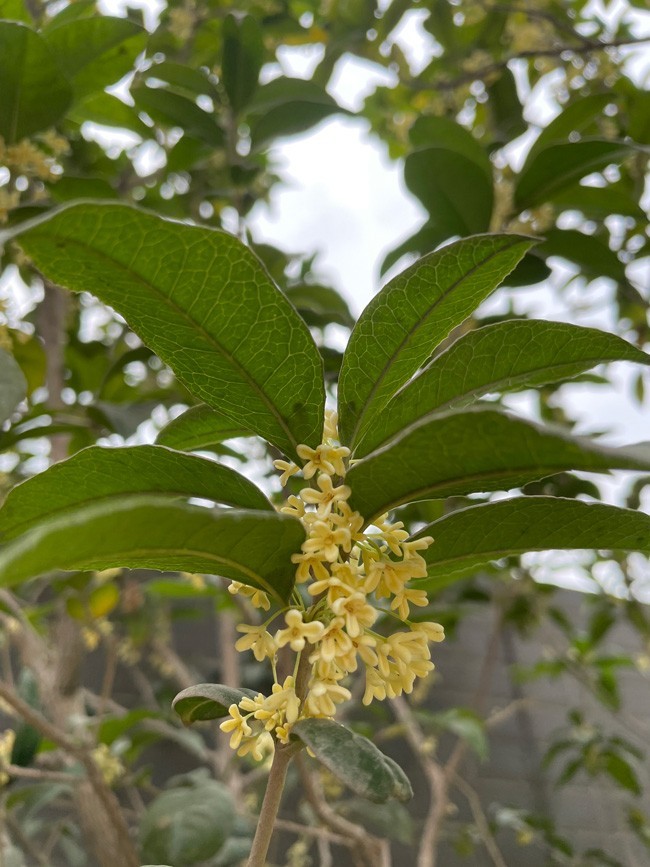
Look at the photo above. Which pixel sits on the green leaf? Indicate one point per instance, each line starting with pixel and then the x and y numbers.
pixel 154 533
pixel 354 760
pixel 472 450
pixel 99 474
pixel 469 538
pixel 600 202
pixel 519 353
pixel 199 427
pixel 286 106
pixel 108 110
pixel 207 701
pixel 467 725
pixel 557 167
pixel 15 10
pixel 320 305
pixel 622 772
pixel 95 52
pixel 187 78
pixel 591 253
pixel 13 385
pixel 577 117
pixel 201 300
pixel 35 91
pixel 411 315
pixel 243 54
pixel 173 109
pixel 453 189
pixel 188 825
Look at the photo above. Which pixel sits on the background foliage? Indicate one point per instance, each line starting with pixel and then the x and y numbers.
pixel 205 100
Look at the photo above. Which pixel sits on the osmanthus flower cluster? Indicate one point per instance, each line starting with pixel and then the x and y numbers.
pixel 347 576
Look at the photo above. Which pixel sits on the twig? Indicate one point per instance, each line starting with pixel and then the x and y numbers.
pixel 311 831
pixel 104 795
pixel 373 851
pixel 481 821
pixel 483 72
pixel 39 775
pixel 271 803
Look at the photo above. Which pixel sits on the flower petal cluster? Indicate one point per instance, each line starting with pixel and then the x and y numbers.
pixel 351 575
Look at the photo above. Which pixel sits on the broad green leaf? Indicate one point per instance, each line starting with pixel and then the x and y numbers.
pixel 504 108
pixel 519 353
pixel 153 533
pixel 320 305
pixel 199 427
pixel 99 474
pixel 13 385
pixel 622 772
pixel 187 78
pixel 207 701
pixel 35 91
pixel 469 538
pixel 15 10
pixel 591 253
pixel 470 451
pixel 354 760
pixel 189 824
pixel 108 110
pixel 453 189
pixel 577 117
pixel 95 52
pixel 600 202
pixel 243 54
pixel 286 106
pixel 431 131
pixel 201 300
pixel 173 109
pixel 558 167
pixel 411 315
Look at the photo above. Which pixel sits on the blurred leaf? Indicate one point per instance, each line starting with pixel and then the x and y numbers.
pixel 622 772
pixel 15 10
pixel 95 52
pixel 207 701
pixel 591 253
pixel 13 385
pixel 98 474
pixel 243 54
pixel 511 355
pixel 154 533
pixel 468 538
pixel 203 291
pixel 320 305
pixel 557 167
pixel 173 109
pixel 476 449
pixel 199 427
pixel 286 106
pixel 354 760
pixel 467 725
pixel 410 316
pixel 577 117
pixel 35 91
pixel 187 825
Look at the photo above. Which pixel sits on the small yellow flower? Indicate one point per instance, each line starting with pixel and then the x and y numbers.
pixel 326 540
pixel 258 598
pixel 356 612
pixel 324 458
pixel 257 639
pixel 237 725
pixel 333 643
pixel 324 696
pixel 298 633
pixel 326 497
pixel 306 564
pixel 288 469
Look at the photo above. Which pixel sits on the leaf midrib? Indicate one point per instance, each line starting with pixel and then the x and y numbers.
pixel 414 495
pixel 451 403
pixel 421 323
pixel 101 255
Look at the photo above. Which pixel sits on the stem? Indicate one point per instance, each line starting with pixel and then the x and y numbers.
pixel 271 804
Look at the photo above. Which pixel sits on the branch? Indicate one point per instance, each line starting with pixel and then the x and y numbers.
pixel 373 851
pixel 483 72
pixel 481 821
pixel 103 793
